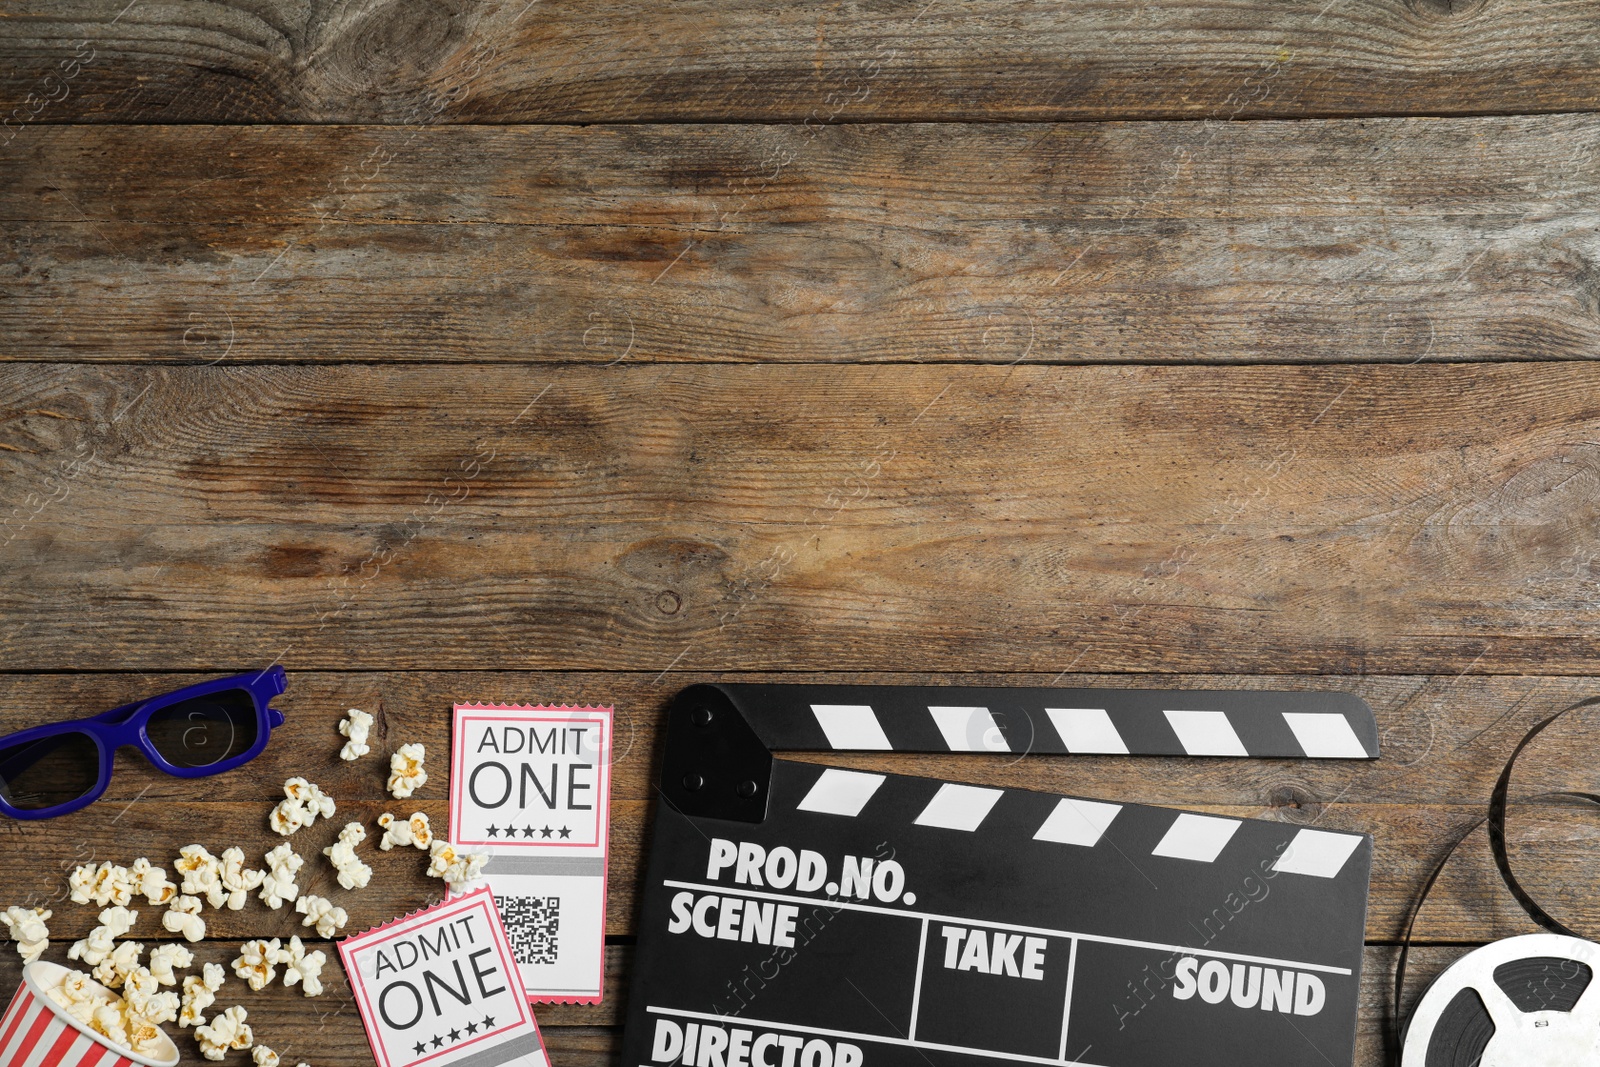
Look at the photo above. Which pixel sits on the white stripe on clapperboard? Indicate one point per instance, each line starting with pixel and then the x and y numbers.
pixel 1089 731
pixel 1074 821
pixel 1206 733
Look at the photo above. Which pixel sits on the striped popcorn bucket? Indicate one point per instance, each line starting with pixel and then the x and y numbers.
pixel 37 1032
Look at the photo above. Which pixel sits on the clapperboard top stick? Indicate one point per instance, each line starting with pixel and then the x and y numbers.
pixel 766 718
pixel 795 915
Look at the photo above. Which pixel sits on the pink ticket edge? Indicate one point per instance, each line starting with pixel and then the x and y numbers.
pixel 359 991
pixel 605 867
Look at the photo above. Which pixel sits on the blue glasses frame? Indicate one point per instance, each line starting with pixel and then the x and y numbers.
pixel 126 726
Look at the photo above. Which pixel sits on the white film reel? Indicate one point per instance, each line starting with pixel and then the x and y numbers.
pixel 1540 993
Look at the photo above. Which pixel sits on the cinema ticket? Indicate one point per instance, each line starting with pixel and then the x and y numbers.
pixel 440 986
pixel 532 786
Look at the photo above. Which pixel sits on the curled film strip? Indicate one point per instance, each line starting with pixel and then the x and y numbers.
pixel 1519 1002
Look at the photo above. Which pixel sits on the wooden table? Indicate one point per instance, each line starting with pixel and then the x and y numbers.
pixel 521 351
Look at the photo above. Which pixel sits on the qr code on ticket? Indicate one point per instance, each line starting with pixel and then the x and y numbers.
pixel 531 924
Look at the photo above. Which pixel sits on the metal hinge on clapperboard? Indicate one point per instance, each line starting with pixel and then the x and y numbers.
pixel 797 915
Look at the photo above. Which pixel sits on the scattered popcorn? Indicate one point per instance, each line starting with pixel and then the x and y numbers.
pixel 414 831
pixel 113 885
pixel 236 881
pixel 278 887
pixel 406 775
pixel 105 885
pixel 456 868
pixel 133 1020
pixel 227 1031
pixel 202 874
pixel 114 922
pixel 255 963
pixel 152 881
pixel 199 993
pixel 139 986
pixel 355 725
pixel 304 792
pixel 163 1008
pixel 322 913
pixel 303 967
pixel 80 884
pixel 183 917
pixel 165 959
pixel 118 964
pixel 353 873
pixel 143 994
pixel 27 929
pixel 301 804
pixel 264 1056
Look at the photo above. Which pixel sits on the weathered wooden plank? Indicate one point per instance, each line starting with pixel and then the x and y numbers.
pixel 1445 740
pixel 328 1031
pixel 110 61
pixel 921 176
pixel 1383 240
pixel 1023 518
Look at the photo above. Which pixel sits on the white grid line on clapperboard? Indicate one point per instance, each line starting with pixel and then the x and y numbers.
pixel 822 1031
pixel 1066 1004
pixel 910 913
pixel 916 987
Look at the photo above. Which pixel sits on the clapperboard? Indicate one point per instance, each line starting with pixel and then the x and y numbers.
pixel 797 915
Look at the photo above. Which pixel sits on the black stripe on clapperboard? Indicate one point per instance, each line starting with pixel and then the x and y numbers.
pixel 1139 722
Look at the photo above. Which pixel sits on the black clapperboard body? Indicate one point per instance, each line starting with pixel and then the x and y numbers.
pixel 797 915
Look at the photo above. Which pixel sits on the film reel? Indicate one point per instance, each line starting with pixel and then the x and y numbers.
pixel 1529 1001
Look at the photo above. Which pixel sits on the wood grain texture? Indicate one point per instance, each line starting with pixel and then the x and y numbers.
pixel 907 60
pixel 1332 519
pixel 1378 241
pixel 1444 740
pixel 629 349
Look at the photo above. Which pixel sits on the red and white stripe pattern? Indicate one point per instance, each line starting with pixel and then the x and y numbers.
pixel 32 1034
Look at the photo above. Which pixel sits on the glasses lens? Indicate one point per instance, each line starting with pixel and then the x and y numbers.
pixel 202 731
pixel 52 770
